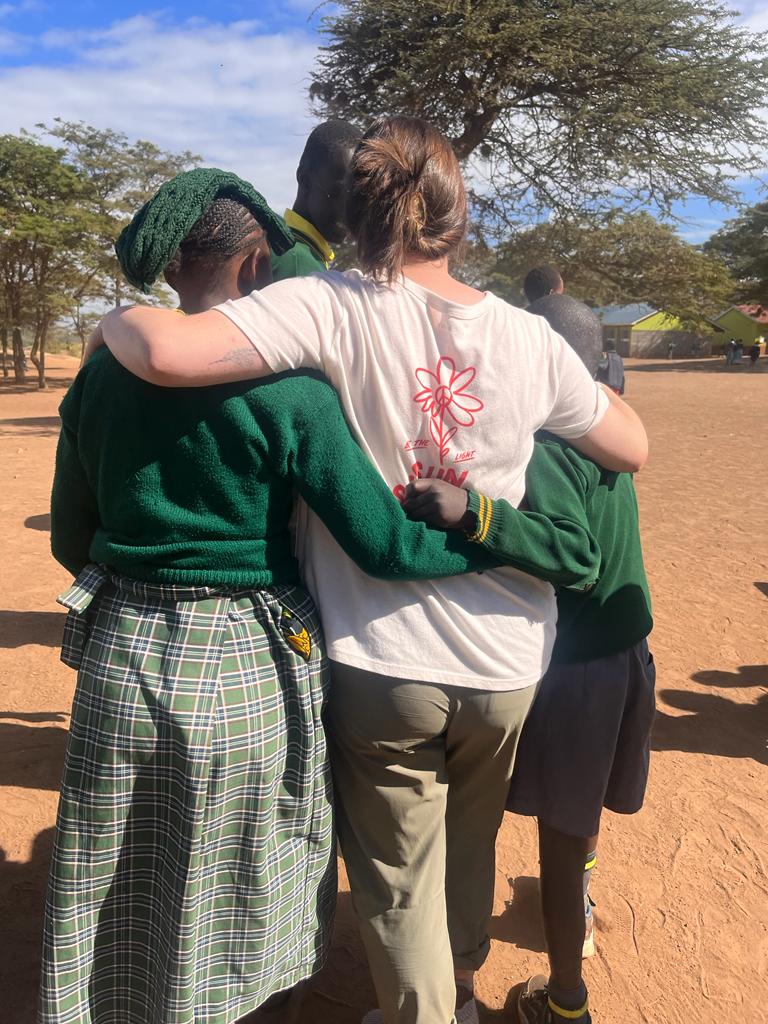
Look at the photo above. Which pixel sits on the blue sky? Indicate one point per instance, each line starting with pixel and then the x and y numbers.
pixel 226 80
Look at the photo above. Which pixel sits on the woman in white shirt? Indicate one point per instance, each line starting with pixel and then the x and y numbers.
pixel 432 680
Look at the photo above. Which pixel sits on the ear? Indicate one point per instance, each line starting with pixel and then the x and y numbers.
pixel 255 271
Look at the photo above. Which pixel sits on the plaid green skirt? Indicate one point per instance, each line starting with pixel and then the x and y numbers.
pixel 194 868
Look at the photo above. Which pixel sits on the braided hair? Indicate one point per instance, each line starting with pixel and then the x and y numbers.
pixel 225 229
pixel 177 214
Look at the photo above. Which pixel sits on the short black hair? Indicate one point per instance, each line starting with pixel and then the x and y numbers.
pixel 326 140
pixel 576 322
pixel 540 281
pixel 225 229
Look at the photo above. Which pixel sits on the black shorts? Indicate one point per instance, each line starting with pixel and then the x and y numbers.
pixel 586 744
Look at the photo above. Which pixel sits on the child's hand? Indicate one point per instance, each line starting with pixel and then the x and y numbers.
pixel 439 504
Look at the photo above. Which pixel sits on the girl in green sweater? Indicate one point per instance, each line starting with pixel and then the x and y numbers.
pixel 193 872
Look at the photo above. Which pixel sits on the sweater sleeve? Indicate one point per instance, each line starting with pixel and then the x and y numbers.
pixel 552 540
pixel 340 484
pixel 74 512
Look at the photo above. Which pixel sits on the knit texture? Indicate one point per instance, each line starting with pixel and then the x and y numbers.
pixel 147 245
pixel 553 547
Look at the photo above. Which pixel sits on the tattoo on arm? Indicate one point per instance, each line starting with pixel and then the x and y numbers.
pixel 246 355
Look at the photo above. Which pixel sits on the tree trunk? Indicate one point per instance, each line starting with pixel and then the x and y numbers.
pixel 19 359
pixel 37 353
pixel 4 340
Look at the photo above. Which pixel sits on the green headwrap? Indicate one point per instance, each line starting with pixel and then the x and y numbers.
pixel 147 245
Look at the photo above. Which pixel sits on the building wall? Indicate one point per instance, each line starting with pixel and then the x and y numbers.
pixel 737 325
pixel 620 338
pixel 655 344
pixel 659 322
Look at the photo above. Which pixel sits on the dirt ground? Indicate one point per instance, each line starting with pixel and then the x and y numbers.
pixel 681 888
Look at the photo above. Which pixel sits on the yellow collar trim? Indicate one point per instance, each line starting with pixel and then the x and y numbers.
pixel 294 220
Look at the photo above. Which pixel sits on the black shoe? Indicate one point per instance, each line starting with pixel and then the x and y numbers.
pixel 534 1006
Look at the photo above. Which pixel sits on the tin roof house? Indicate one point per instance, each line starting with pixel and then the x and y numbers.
pixel 643 331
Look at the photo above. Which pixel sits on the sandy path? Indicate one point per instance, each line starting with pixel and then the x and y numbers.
pixel 682 889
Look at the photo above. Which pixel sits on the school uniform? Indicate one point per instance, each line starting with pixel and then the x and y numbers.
pixel 586 743
pixel 193 870
pixel 311 252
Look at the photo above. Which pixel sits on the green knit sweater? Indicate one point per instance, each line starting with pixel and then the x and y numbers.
pixel 197 485
pixel 595 513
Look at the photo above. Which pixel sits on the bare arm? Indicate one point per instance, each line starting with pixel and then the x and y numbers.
pixel 162 347
pixel 619 441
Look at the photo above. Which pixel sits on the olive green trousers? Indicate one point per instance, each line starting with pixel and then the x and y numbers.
pixel 421 775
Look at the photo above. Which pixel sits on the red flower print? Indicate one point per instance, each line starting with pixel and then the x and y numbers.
pixel 444 393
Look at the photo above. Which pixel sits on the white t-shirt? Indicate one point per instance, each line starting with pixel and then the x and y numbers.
pixel 430 388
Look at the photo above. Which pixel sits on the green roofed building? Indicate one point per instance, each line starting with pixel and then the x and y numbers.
pixel 640 330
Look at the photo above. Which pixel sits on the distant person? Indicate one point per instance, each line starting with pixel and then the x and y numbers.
pixel 671 349
pixel 542 281
pixel 738 354
pixel 317 216
pixel 610 369
pixel 730 352
pixel 586 743
pixel 754 355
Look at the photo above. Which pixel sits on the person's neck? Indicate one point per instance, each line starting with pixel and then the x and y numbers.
pixel 202 301
pixel 435 276
pixel 299 208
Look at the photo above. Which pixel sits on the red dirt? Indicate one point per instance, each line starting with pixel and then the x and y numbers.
pixel 682 913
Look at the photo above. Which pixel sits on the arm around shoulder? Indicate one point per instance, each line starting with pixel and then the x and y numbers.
pixel 342 486
pixel 171 350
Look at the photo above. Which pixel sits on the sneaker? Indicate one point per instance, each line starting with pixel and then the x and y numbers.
pixel 533 1005
pixel 465 1014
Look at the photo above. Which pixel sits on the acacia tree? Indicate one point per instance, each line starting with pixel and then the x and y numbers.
pixel 46 243
pixel 570 107
pixel 743 245
pixel 122 174
pixel 624 258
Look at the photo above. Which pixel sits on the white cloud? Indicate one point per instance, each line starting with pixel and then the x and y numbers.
pixel 754 14
pixel 235 94
pixel 10 10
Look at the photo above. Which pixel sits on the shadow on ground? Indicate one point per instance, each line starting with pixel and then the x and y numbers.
pixel 9 386
pixel 22 893
pixel 707 365
pixel 715 723
pixel 343 991
pixel 18 629
pixel 41 522
pixel 521 924
pixel 26 426
pixel 32 757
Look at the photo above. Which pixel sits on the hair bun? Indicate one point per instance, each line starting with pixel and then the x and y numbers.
pixel 406 196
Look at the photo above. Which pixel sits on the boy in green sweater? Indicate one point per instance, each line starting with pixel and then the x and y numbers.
pixel 586 743
pixel 317 217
